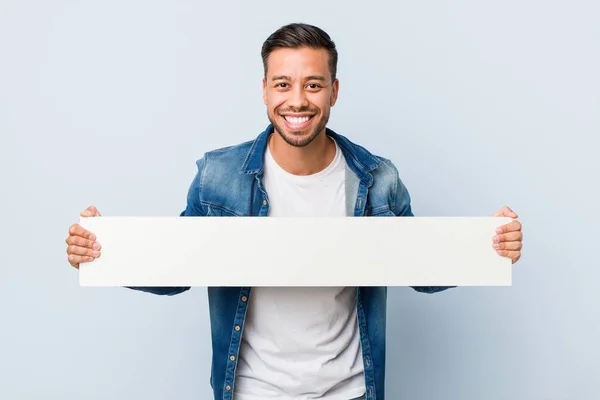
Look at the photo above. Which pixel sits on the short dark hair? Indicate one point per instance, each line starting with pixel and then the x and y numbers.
pixel 297 35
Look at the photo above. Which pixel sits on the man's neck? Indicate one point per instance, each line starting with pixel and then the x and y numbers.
pixel 307 160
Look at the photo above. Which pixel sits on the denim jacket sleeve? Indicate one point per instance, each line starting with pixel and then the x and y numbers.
pixel 402 208
pixel 193 208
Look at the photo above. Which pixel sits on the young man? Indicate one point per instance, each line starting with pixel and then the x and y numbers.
pixel 297 343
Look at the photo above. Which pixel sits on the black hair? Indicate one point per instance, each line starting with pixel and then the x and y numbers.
pixel 299 35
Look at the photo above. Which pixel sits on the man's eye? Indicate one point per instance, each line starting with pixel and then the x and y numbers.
pixel 314 85
pixel 282 85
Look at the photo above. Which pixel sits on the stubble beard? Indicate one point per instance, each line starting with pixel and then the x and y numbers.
pixel 295 138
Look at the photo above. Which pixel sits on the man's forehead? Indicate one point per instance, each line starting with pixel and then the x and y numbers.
pixel 291 62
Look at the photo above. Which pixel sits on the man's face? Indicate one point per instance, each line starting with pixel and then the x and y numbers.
pixel 299 93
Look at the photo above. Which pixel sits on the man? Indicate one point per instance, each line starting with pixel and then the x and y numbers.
pixel 297 343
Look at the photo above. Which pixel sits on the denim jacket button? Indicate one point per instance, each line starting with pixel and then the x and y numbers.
pixel 228 388
pixel 244 298
pixel 264 202
pixel 237 328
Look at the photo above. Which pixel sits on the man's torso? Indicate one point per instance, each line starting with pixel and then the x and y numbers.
pixel 302 343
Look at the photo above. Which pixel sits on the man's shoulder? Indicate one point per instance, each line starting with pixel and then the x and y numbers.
pixel 379 166
pixel 242 156
pixel 369 159
pixel 224 188
pixel 387 166
pixel 226 159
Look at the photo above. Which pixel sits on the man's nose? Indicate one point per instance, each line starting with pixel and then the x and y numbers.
pixel 298 98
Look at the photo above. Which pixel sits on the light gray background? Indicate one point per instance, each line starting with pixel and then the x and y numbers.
pixel 479 104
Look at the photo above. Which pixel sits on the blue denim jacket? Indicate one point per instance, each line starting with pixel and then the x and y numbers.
pixel 229 183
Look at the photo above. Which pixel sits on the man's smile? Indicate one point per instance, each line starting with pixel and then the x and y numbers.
pixel 297 121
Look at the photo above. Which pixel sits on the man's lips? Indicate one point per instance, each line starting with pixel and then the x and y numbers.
pixel 297 121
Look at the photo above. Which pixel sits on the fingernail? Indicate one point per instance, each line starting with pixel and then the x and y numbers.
pixel 496 239
pixel 92 237
pixel 496 246
pixel 95 253
pixel 96 246
pixel 499 230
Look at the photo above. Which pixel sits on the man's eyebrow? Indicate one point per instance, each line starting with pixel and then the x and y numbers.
pixel 281 77
pixel 308 78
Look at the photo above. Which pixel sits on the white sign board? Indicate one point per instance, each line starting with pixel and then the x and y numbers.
pixel 254 251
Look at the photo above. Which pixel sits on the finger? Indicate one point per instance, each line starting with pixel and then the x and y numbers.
pixel 83 242
pixel 508 246
pixel 514 226
pixel 508 237
pixel 506 212
pixel 75 260
pixel 513 255
pixel 82 251
pixel 78 230
pixel 91 211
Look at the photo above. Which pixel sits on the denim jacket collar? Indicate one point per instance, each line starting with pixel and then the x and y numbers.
pixel 359 160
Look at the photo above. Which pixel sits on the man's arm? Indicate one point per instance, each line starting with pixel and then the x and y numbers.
pixel 193 208
pixel 400 205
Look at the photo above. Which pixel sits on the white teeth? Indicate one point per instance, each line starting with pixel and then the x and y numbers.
pixel 296 120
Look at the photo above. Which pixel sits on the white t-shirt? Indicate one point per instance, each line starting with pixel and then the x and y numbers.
pixel 302 343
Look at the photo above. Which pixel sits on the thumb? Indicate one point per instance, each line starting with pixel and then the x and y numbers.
pixel 506 212
pixel 91 211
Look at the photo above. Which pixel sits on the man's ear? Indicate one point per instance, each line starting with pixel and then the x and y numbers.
pixel 264 86
pixel 335 88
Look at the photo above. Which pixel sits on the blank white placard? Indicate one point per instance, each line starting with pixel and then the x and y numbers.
pixel 253 251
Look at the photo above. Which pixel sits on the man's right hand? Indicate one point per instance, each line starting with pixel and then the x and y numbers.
pixel 81 243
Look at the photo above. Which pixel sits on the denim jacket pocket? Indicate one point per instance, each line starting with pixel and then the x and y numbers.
pixel 382 211
pixel 219 211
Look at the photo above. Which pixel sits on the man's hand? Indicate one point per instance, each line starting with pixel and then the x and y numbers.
pixel 508 241
pixel 81 243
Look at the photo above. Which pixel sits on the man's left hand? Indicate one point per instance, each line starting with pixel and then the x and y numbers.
pixel 508 241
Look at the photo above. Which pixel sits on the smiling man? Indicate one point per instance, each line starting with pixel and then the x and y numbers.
pixel 296 343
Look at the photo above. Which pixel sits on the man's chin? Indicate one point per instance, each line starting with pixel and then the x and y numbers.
pixel 296 133
pixel 297 138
